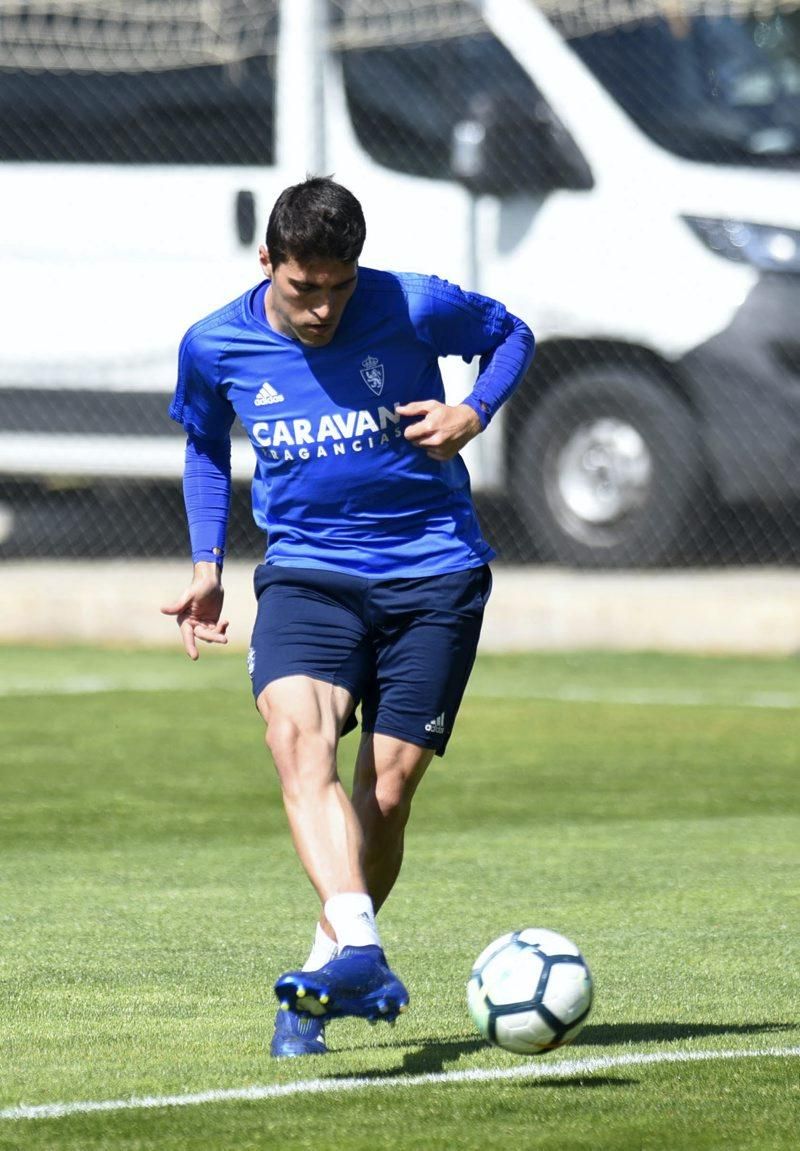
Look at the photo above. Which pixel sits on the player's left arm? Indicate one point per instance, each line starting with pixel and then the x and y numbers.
pixel 442 430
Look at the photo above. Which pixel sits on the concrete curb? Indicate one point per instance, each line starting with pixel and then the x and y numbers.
pixel 752 610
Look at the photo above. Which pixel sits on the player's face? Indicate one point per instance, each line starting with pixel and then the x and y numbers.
pixel 306 301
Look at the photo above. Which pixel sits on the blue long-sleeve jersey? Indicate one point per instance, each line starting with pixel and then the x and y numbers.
pixel 336 484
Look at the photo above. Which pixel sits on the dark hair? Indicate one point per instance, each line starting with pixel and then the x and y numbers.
pixel 316 220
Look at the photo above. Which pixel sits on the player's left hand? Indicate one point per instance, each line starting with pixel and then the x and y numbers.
pixel 441 430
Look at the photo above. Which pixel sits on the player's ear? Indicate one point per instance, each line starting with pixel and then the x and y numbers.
pixel 264 261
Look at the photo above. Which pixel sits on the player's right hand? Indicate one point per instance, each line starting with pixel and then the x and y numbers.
pixel 198 610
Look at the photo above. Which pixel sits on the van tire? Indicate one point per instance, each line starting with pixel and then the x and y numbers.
pixel 607 472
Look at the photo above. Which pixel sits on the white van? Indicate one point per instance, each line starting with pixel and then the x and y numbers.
pixel 631 189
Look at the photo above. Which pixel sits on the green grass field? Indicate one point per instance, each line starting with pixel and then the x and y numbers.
pixel 645 806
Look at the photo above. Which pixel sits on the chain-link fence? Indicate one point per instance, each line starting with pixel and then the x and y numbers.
pixel 624 174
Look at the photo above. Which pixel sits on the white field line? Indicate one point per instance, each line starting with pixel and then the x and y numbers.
pixel 642 697
pixel 529 1070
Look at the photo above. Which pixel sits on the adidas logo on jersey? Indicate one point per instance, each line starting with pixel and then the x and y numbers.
pixel 267 395
pixel 436 726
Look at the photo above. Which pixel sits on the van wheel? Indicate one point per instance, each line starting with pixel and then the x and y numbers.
pixel 608 472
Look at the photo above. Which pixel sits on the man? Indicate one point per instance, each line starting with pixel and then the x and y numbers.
pixel 375 576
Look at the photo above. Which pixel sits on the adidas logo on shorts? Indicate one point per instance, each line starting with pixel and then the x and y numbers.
pixel 267 395
pixel 436 726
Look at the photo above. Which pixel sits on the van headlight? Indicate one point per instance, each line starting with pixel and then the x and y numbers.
pixel 764 246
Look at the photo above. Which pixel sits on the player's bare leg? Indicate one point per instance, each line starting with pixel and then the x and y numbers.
pixel 304 719
pixel 387 774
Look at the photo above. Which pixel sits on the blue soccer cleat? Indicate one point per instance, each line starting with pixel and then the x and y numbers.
pixel 297 1034
pixel 356 982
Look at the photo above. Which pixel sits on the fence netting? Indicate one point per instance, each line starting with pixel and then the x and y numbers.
pixel 637 440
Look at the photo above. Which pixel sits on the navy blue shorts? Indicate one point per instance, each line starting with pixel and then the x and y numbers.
pixel 403 648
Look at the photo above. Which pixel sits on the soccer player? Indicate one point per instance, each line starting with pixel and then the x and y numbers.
pixel 376 573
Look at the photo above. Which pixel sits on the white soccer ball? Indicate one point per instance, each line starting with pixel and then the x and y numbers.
pixel 530 991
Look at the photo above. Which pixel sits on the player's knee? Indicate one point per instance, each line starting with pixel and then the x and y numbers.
pixel 282 737
pixel 302 758
pixel 394 790
pixel 397 779
pixel 382 804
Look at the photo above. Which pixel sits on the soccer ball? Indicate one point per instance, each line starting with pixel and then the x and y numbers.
pixel 530 991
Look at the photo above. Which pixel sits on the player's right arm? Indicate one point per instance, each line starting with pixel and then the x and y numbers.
pixel 203 410
pixel 206 492
pixel 199 609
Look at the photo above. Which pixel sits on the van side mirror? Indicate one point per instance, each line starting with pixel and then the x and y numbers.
pixel 504 148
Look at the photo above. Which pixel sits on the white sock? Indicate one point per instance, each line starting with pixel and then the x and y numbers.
pixel 352 917
pixel 323 950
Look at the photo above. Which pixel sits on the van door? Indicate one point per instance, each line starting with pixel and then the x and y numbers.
pixel 410 76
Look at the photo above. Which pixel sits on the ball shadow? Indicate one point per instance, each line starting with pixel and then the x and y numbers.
pixel 611 1034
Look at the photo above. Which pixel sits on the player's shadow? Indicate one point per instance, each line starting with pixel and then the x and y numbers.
pixel 612 1034
pixel 431 1056
pixel 428 1056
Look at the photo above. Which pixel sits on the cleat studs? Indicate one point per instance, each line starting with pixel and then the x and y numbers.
pixel 300 991
pixel 324 998
pixel 284 1005
pixel 403 1007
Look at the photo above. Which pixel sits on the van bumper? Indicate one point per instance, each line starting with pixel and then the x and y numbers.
pixel 745 386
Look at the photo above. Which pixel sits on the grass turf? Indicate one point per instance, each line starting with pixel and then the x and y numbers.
pixel 646 806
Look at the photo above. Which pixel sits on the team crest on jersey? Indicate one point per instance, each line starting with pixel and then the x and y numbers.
pixel 372 374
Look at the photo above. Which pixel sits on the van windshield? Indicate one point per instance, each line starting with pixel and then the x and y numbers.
pixel 719 89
